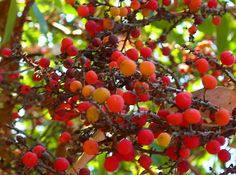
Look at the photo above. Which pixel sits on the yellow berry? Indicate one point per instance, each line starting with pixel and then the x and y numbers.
pixel 100 95
pixel 164 139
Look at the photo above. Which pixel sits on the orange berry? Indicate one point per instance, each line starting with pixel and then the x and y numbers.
pixel 101 94
pixel 92 114
pixel 164 139
pixel 87 90
pixel 138 44
pixel 128 67
pixel 135 5
pixel 123 11
pixel 147 68
pixel 222 117
pixel 108 23
pixel 192 116
pixel 70 2
pixel 145 12
pixel 75 86
pixel 115 11
pixel 91 147
pixel 115 103
pixel 209 81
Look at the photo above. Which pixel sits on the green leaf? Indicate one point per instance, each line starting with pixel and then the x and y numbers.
pixel 12 13
pixel 42 23
pixel 222 32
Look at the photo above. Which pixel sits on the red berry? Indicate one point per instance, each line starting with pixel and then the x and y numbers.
pixel 209 82
pixel 222 117
pixel 111 163
pixel 166 51
pixel 72 51
pixel 183 166
pixel 184 153
pixel 115 103
pixel 6 52
pixel 166 2
pixel 146 52
pixel 64 137
pixel 91 77
pixel 191 142
pixel 25 89
pixel 90 26
pixel 30 159
pixel 192 30
pixel 66 42
pixel 61 164
pixel 132 54
pixel 213 147
pixel 83 10
pixel 135 33
pixel 192 116
pixel 212 3
pixel 145 137
pixel 124 147
pixel 38 150
pixel 202 65
pixel 44 63
pixel 174 119
pixel 68 63
pixel 165 80
pixel 194 5
pixel 91 147
pixel 130 98
pixel 227 58
pixel 171 152
pixel 84 171
pixel 145 161
pixel 183 100
pixel 221 140
pixel 216 20
pixel 163 113
pixel 224 155
pixel 152 4
pixel 91 9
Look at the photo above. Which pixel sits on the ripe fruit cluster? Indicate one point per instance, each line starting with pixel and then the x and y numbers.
pixel 118 89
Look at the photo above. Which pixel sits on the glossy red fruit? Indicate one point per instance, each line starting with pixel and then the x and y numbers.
pixel 171 152
pixel 115 103
pixel 221 140
pixel 224 155
pixel 184 153
pixel 209 82
pixel 166 2
pixel 124 147
pixel 202 65
pixel 216 20
pixel 165 80
pixel 25 89
pixel 132 54
pixel 61 164
pixel 84 171
pixel 64 137
pixel 83 10
pixel 72 51
pixel 66 42
pixel 165 51
pixel 212 3
pixel 38 149
pixel 91 77
pixel 90 26
pixel 192 30
pixel 130 98
pixel 192 116
pixel 145 161
pixel 145 137
pixel 30 159
pixel 183 100
pixel 111 163
pixel 191 142
pixel 222 117
pixel 135 32
pixel 213 147
pixel 44 63
pixel 227 58
pixel 175 119
pixel 6 52
pixel 183 166
pixel 146 52
pixel 152 4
